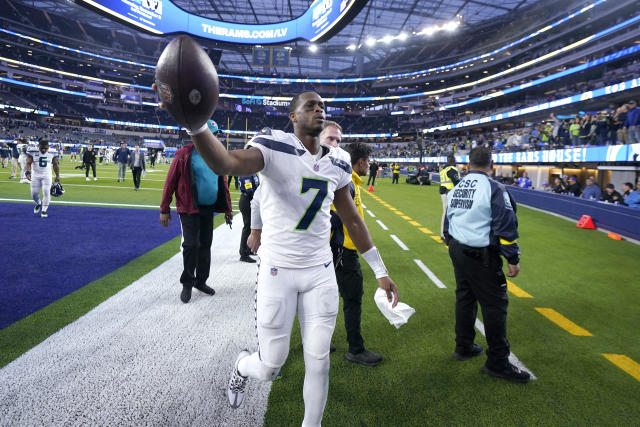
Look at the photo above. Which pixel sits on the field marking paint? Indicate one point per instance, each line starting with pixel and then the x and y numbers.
pixel 107 186
pixel 65 202
pixel 563 322
pixel 407 218
pixel 515 290
pixel 363 205
pixel 384 227
pixel 429 274
pixel 625 363
pixel 399 242
pixel 370 213
pixel 397 212
pixel 512 357
pixel 437 239
pixel 415 223
pixel 425 230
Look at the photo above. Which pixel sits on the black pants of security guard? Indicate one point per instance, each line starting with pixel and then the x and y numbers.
pixel 349 277
pixel 245 209
pixel 479 279
pixel 197 232
pixel 396 176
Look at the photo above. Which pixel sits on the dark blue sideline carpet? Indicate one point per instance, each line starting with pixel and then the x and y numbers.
pixel 46 259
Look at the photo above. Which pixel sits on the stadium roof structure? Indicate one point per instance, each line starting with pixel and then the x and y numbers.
pixel 381 28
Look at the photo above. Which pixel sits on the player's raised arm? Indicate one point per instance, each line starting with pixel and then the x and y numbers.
pixel 361 238
pixel 187 87
pixel 223 162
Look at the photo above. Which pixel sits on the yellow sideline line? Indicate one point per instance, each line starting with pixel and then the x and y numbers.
pixel 408 218
pixel 520 293
pixel 397 212
pixel 563 322
pixel 437 239
pixel 625 363
pixel 425 230
pixel 416 223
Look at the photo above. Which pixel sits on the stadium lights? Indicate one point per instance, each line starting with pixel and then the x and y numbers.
pixel 451 26
pixel 351 47
pixel 387 39
pixel 313 48
pixel 402 36
pixel 370 41
pixel 270 80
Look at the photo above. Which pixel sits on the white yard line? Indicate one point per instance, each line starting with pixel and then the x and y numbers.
pixel 384 227
pixel 370 213
pixel 512 357
pixel 399 242
pixel 68 202
pixel 429 274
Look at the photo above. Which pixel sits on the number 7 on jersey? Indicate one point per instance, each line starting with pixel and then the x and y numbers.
pixel 322 185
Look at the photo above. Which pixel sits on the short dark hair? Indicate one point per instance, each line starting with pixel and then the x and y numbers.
pixel 294 101
pixel 43 141
pixel 358 150
pixel 628 184
pixel 451 159
pixel 480 156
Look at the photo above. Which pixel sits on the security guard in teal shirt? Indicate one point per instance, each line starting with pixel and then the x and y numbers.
pixel 480 226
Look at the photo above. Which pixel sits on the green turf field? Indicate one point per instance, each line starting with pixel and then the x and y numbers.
pixel 584 276
pixel 581 274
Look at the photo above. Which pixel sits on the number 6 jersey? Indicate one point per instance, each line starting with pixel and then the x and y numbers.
pixel 41 166
pixel 297 192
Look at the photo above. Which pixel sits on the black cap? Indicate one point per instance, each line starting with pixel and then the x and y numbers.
pixel 610 186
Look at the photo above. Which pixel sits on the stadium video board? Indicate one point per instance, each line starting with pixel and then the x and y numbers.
pixel 165 17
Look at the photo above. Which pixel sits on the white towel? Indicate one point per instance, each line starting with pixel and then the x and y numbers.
pixel 397 316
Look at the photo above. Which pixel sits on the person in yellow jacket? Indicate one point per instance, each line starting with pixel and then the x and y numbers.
pixel 396 173
pixel 347 264
pixel 449 177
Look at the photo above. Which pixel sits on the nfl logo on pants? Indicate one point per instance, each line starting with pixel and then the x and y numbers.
pixel 274 271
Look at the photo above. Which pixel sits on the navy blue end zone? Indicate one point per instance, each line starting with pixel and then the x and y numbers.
pixel 44 259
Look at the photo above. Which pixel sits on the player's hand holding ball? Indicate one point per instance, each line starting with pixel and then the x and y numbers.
pixel 187 84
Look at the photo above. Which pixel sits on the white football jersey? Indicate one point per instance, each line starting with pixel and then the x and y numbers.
pixel 41 165
pixel 297 191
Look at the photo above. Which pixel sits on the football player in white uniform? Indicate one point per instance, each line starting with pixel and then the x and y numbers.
pixel 300 180
pixel 38 171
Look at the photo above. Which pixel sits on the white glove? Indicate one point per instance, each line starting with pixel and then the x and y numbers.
pixel 397 316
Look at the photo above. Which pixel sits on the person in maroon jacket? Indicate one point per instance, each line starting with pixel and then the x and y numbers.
pixel 199 193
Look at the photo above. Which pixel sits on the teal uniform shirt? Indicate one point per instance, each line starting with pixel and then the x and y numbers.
pixel 206 180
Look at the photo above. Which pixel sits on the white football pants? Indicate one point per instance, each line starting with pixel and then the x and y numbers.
pixel 41 183
pixel 312 293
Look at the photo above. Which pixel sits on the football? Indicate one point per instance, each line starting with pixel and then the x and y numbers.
pixel 187 82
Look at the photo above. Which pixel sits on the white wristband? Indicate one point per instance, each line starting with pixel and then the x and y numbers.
pixel 372 256
pixel 204 127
